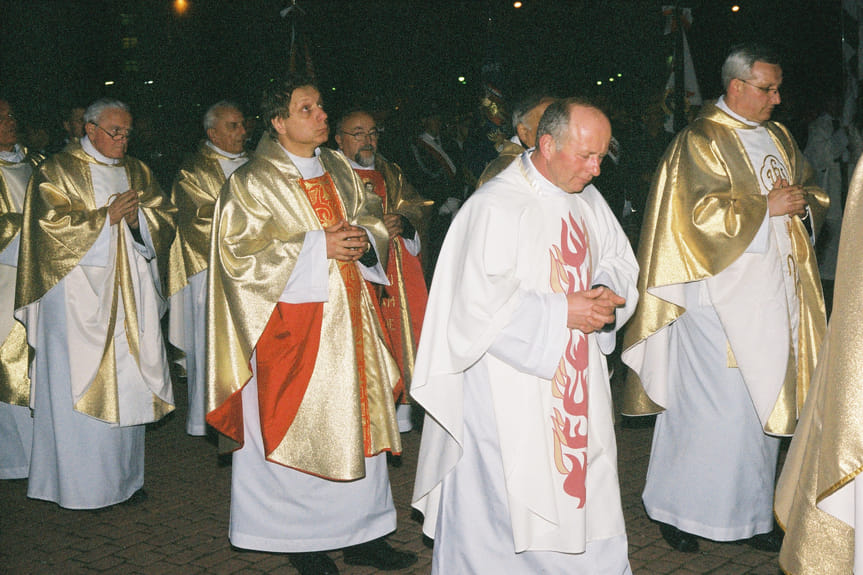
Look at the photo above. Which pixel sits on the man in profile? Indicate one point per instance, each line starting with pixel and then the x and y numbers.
pixel 525 121
pixel 731 316
pixel 195 190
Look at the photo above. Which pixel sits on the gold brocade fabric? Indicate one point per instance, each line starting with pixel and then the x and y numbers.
pixel 260 223
pixel 61 223
pixel 509 153
pixel 14 352
pixel 61 220
pixel 704 209
pixel 194 193
pixel 400 197
pixel 403 199
pixel 827 450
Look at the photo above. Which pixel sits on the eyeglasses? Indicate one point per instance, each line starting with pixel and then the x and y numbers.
pixel 361 136
pixel 116 134
pixel 768 91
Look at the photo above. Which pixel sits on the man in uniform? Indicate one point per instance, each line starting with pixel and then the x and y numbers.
pixel 731 314
pixel 405 214
pixel 194 193
pixel 16 423
pixel 298 372
pixel 94 243
pixel 518 465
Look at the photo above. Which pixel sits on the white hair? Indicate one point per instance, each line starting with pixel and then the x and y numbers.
pixel 94 111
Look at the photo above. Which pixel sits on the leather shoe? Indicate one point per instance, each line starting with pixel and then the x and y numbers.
pixel 677 539
pixel 770 542
pixel 316 563
pixel 380 555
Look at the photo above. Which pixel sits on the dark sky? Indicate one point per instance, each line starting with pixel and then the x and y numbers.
pixel 389 52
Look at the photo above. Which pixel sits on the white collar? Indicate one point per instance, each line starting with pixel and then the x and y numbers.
pixel 309 167
pixel 16 155
pixel 539 182
pixel 224 153
pixel 722 105
pixel 91 151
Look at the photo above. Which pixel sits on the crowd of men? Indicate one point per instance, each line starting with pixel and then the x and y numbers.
pixel 296 280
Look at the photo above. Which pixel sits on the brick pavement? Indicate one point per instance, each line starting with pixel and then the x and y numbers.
pixel 182 527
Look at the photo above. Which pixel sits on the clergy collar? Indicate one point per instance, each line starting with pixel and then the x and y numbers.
pixel 91 151
pixel 539 182
pixel 227 155
pixel 15 156
pixel 308 167
pixel 722 105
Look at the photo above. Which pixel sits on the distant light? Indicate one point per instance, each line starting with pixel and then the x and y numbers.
pixel 735 8
pixel 619 75
pixel 611 79
pixel 148 82
pixel 109 82
pixel 180 6
pixel 516 4
pixel 461 79
pixel 599 82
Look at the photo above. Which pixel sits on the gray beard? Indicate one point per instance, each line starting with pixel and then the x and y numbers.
pixel 366 161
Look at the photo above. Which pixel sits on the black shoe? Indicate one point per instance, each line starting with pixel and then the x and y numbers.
pixel 770 542
pixel 380 555
pixel 679 540
pixel 316 563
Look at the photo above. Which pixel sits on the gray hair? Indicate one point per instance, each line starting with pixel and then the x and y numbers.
pixel 741 58
pixel 555 119
pixel 95 110
pixel 211 115
pixel 524 107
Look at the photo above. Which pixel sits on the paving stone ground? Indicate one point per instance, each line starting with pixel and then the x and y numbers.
pixel 182 527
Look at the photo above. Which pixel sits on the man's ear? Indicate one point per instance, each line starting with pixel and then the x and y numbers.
pixel 523 133
pixel 278 124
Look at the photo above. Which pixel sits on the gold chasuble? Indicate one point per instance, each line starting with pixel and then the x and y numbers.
pixel 325 377
pixel 704 209
pixel 14 381
pixel 194 193
pixel 61 224
pixel 403 302
pixel 825 459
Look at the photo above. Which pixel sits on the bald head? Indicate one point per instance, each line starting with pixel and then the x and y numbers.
pixel 572 140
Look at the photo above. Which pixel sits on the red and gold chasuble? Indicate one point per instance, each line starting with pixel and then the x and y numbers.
pixel 403 302
pixel 570 272
pixel 288 347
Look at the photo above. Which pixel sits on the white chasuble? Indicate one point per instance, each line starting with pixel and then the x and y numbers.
pixel 518 464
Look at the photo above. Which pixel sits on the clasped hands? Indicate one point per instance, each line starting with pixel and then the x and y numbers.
pixel 785 199
pixel 592 310
pixel 345 242
pixel 124 206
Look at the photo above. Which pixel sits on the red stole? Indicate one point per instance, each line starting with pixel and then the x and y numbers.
pixel 407 289
pixel 288 347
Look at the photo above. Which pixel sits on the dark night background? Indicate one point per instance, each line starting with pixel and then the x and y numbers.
pixel 393 55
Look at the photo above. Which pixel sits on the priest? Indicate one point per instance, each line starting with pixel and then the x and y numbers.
pixel 517 469
pixel 299 377
pixel 94 242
